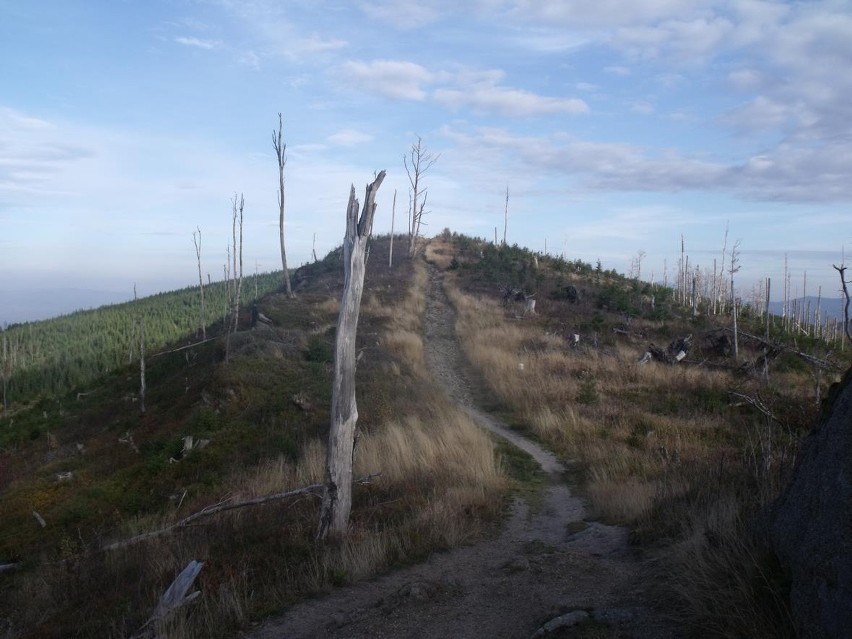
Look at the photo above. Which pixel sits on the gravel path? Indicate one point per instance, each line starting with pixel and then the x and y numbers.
pixel 547 570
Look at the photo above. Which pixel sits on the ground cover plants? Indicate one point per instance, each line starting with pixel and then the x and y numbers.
pixel 671 451
pixel 217 430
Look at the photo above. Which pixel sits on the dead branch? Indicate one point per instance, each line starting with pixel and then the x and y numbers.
pixel 175 597
pixel 227 504
pixel 183 348
pixel 757 403
pixel 7 567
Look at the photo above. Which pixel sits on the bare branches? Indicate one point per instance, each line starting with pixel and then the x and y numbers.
pixel 417 163
pixel 280 149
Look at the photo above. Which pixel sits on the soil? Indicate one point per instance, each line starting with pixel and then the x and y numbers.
pixel 550 572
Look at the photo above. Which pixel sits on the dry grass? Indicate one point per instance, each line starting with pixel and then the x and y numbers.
pixel 441 480
pixel 661 450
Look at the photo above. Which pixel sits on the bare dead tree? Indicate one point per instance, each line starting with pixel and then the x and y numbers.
pixel 417 163
pixel 280 149
pixel 141 322
pixel 841 270
pixel 735 261
pixel 337 489
pixel 506 216
pixel 237 222
pixel 7 361
pixel 393 219
pixel 197 243
pixel 722 269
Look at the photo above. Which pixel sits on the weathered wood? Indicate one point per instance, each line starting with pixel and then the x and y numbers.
pixel 337 492
pixel 280 150
pixel 174 598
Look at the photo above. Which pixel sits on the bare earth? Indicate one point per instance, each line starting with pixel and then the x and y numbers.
pixel 546 571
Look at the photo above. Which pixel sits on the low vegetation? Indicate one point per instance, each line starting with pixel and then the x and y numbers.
pixel 258 424
pixel 671 451
pixel 686 455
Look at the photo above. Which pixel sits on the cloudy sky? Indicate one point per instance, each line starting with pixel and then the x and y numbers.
pixel 617 125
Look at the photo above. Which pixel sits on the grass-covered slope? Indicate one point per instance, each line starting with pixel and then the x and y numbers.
pixel 258 424
pixel 675 452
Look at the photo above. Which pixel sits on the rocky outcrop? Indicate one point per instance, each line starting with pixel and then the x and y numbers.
pixel 811 524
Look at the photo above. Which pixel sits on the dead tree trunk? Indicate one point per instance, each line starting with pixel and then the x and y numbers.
pixel 421 160
pixel 506 216
pixel 841 270
pixel 393 219
pixel 6 370
pixel 202 322
pixel 337 491
pixel 237 221
pixel 280 148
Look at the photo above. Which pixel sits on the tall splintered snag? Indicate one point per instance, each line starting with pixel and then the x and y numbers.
pixel 418 161
pixel 393 219
pixel 197 243
pixel 847 330
pixel 280 148
pixel 506 216
pixel 237 221
pixel 735 261
pixel 337 490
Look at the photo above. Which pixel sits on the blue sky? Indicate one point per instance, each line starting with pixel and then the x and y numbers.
pixel 617 126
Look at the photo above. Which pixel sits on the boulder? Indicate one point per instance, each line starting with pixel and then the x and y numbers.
pixel 811 523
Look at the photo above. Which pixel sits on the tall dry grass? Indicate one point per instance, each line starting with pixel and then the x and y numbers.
pixel 658 452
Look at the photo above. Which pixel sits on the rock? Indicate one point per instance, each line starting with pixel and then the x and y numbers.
pixel 563 621
pixel 810 525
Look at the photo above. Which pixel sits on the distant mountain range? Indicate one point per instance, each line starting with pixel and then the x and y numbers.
pixel 829 307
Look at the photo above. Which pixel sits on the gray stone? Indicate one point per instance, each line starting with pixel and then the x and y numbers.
pixel 811 523
pixel 563 621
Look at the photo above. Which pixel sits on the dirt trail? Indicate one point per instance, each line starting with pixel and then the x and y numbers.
pixel 544 564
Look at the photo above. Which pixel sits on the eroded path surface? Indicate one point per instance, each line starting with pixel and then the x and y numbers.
pixel 546 562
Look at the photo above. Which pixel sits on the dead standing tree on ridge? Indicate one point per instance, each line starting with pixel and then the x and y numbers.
pixel 419 160
pixel 280 148
pixel 337 491
pixel 202 322
pixel 841 270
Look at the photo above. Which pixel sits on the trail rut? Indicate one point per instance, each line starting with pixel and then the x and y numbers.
pixel 546 561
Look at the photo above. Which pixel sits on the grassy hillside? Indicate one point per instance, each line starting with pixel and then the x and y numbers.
pixel 687 455
pixel 675 452
pixel 264 418
pixel 50 357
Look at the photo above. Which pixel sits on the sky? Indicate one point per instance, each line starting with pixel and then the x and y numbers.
pixel 618 126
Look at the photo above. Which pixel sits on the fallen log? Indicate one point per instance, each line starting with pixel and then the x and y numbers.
pixel 227 504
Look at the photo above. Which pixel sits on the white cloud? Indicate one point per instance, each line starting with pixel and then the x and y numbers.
pixel 601 13
pixel 189 41
pixel 489 98
pixel 402 14
pixel 617 70
pixel 476 89
pixel 393 79
pixel 679 41
pixel 316 44
pixel 349 137
pixel 642 107
pixel 787 173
